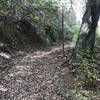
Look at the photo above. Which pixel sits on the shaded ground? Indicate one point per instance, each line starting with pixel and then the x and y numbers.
pixel 35 76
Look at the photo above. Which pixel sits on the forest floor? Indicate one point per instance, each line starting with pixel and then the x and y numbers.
pixel 36 75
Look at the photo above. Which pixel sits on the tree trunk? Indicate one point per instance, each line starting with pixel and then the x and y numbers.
pixel 86 38
pixel 63 32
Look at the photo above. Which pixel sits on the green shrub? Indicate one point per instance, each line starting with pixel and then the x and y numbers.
pixel 76 95
pixel 85 72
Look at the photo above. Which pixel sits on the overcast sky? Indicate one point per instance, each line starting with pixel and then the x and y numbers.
pixel 79 7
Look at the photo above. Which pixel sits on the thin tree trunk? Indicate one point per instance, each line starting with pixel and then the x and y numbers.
pixel 63 33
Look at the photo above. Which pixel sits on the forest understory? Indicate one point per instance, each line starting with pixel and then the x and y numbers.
pixel 42 75
pixel 49 50
pixel 34 75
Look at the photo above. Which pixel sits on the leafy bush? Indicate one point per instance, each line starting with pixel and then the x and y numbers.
pixel 85 72
pixel 76 95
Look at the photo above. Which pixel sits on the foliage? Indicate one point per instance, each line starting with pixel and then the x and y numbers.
pixel 85 71
pixel 42 14
pixel 76 95
pixel 75 32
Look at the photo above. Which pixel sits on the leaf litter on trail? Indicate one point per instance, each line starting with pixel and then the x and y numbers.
pixel 36 76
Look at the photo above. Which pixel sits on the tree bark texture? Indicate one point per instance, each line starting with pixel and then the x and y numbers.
pixel 86 39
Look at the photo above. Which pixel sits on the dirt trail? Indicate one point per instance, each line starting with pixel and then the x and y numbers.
pixel 36 76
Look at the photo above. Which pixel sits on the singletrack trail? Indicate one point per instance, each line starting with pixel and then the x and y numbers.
pixel 36 76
